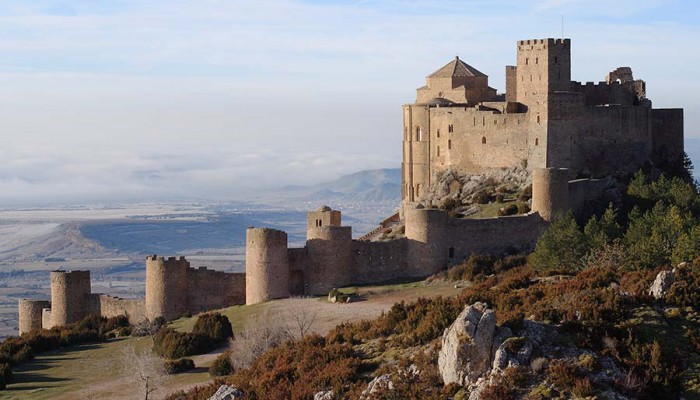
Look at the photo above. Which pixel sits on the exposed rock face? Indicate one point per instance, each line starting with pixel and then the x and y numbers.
pixel 466 345
pixel 454 185
pixel 661 284
pixel 227 392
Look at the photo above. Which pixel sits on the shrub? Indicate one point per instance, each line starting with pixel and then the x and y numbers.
pixel 476 265
pixel 483 197
pixel 449 204
pixel 523 208
pixel 148 327
pixel 563 374
pixel 172 344
pixel 222 364
pixel 6 376
pixel 259 335
pixel 214 326
pixel 582 387
pixel 299 369
pixel 510 209
pixel 525 194
pixel 561 247
pixel 179 366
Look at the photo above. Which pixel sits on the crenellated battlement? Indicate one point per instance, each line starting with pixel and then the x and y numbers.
pixel 550 41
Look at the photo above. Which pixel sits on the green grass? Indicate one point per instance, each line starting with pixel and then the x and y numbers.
pixel 237 315
pixel 490 210
pixel 82 371
pixel 93 369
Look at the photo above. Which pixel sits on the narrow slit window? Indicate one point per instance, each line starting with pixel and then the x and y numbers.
pixel 483 140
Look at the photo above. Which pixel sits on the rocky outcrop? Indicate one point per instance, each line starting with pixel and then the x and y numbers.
pixel 662 284
pixel 465 355
pixel 227 392
pixel 380 383
pixel 453 185
pixel 324 395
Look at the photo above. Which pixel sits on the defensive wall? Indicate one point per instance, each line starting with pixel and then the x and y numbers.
pixel 173 289
pixel 433 241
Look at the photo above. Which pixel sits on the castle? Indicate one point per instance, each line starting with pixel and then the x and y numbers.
pixel 543 120
pixel 560 129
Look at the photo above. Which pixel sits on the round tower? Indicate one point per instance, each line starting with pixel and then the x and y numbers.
pixel 30 314
pixel 550 191
pixel 167 287
pixel 426 231
pixel 266 265
pixel 330 252
pixel 69 292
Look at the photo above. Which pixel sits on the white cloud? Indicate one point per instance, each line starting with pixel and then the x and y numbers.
pixel 134 98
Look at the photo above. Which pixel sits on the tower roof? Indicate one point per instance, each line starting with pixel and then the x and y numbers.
pixel 456 68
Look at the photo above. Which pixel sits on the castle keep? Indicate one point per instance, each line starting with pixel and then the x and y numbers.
pixel 558 128
pixel 544 120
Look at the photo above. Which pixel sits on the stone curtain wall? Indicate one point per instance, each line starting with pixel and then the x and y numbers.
pixel 376 262
pixel 110 306
pixel 209 289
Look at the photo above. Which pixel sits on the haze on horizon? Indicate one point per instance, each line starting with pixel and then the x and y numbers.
pixel 153 100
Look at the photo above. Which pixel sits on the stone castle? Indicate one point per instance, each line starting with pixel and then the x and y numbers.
pixel 544 120
pixel 559 129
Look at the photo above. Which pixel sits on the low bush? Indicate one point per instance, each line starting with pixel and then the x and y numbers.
pixel 222 365
pixel 172 344
pixel 179 366
pixel 510 209
pixel 209 330
pixel 214 326
pixel 6 376
pixel 148 327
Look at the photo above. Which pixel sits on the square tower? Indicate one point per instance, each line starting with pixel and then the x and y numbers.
pixel 544 67
pixel 324 216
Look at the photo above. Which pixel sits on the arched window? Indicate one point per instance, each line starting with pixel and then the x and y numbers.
pixel 483 140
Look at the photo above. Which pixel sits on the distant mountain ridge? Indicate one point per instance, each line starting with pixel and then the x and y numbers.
pixel 368 186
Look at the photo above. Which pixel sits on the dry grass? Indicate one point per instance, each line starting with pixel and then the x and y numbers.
pixel 91 371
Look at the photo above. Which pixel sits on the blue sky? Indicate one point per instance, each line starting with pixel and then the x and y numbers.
pixel 113 100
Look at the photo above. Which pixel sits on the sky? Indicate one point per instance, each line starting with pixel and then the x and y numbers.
pixel 150 100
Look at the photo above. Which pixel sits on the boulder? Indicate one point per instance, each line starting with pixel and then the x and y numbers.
pixel 465 355
pixel 512 352
pixel 324 395
pixel 661 284
pixel 382 382
pixel 227 392
pixel 333 295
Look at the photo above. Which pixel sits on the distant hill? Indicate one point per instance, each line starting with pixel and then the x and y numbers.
pixel 369 186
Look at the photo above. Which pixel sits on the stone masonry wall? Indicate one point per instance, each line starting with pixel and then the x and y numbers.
pixel 210 289
pixel 376 262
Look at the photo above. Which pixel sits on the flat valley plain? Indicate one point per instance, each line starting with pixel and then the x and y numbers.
pixel 113 240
